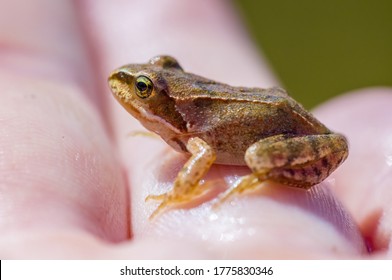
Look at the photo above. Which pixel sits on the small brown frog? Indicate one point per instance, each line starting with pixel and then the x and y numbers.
pixel 264 129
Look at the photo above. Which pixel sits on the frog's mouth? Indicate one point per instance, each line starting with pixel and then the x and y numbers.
pixel 124 97
pixel 119 84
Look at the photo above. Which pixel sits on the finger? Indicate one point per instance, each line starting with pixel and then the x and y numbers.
pixel 363 183
pixel 135 31
pixel 46 42
pixel 57 170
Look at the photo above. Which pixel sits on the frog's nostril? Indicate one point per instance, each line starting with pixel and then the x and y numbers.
pixel 121 75
pixel 116 75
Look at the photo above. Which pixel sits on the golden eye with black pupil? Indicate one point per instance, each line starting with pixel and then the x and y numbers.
pixel 143 86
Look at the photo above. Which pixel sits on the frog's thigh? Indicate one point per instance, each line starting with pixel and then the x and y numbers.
pixel 300 161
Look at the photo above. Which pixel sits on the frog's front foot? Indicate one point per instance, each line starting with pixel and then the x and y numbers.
pixel 171 199
pixel 186 186
pixel 165 201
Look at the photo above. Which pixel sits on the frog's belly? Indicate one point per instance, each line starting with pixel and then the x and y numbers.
pixel 230 145
pixel 229 151
pixel 230 158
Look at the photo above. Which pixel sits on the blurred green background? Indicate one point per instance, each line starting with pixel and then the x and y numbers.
pixel 320 49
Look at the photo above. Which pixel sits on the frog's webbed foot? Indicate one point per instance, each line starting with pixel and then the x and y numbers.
pixel 186 185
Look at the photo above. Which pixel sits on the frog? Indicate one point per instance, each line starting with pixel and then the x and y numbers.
pixel 215 123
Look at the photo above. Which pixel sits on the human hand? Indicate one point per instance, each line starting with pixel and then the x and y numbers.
pixel 73 184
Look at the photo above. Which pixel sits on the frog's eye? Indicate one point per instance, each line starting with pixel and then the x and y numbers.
pixel 143 86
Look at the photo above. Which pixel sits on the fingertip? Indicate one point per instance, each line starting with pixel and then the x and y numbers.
pixel 363 182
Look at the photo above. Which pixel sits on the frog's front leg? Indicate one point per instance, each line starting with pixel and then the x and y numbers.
pixel 298 161
pixel 186 185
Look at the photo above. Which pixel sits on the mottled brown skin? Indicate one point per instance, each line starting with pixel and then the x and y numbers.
pixel 263 128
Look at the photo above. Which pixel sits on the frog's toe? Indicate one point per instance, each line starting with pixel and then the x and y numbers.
pixel 245 183
pixel 159 210
pixel 167 202
pixel 155 197
pixel 173 200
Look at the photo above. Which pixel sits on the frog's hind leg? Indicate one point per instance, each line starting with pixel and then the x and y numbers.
pixel 298 161
pixel 186 185
pixel 301 161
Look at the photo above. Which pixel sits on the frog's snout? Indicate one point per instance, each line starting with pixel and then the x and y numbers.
pixel 119 81
pixel 120 76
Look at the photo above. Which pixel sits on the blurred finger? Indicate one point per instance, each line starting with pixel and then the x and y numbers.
pixel 57 171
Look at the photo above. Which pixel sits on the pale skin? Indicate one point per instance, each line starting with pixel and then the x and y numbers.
pixel 64 148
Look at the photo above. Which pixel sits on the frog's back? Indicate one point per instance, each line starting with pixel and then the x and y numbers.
pixel 200 87
pixel 205 96
pixel 230 119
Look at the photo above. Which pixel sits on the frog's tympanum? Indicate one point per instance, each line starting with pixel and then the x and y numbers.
pixel 264 129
